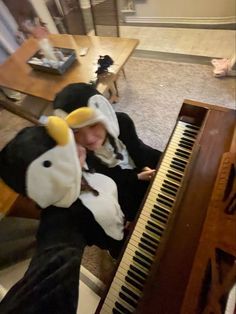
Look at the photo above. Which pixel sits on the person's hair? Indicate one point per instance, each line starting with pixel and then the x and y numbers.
pixel 113 144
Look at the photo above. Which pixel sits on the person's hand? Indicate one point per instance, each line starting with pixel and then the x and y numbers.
pixel 128 225
pixel 146 174
pixel 39 32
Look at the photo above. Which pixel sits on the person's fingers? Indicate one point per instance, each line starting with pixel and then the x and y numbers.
pixel 146 168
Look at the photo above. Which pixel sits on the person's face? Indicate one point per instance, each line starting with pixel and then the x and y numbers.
pixel 91 137
pixel 81 154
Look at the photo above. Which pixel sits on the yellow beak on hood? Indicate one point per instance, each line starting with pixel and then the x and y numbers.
pixel 58 129
pixel 80 116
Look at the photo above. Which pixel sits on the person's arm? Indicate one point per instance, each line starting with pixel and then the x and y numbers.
pixel 143 155
pixel 120 176
pixel 131 189
pixel 50 285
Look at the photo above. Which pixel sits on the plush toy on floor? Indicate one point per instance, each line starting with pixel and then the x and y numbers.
pixel 224 67
pixel 78 208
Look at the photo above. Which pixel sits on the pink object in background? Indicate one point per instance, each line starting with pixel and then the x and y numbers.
pixel 223 67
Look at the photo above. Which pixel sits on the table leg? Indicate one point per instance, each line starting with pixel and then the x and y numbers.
pixel 12 107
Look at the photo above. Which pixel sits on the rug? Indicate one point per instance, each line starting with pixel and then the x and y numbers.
pixel 154 91
pixel 152 94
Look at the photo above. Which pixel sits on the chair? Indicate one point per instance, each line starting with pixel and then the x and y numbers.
pixel 67 15
pixel 106 23
pixel 105 17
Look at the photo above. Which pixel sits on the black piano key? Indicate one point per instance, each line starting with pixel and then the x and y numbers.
pixel 122 308
pixel 186 144
pixel 160 196
pixel 141 262
pixel 171 193
pixel 162 216
pixel 193 127
pixel 131 293
pixel 163 202
pixel 183 162
pixel 178 164
pixel 148 249
pixel 135 277
pixel 127 299
pixel 192 131
pixel 171 183
pixel 189 134
pixel 145 258
pixel 164 209
pixel 183 145
pixel 115 311
pixel 181 155
pixel 171 176
pixel 160 210
pixel 138 271
pixel 169 186
pixel 134 283
pixel 154 225
pixel 183 152
pixel 176 167
pixel 159 218
pixel 188 140
pixel 157 208
pixel 175 174
pixel 150 238
pixel 155 231
pixel 159 230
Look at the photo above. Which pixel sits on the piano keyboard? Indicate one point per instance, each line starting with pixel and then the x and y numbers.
pixel 127 285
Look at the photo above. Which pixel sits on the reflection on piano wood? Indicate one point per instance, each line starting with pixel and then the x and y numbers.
pixel 186 226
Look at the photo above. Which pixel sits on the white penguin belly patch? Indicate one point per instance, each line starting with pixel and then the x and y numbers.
pixel 105 206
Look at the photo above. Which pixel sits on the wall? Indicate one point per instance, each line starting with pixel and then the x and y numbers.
pixel 179 10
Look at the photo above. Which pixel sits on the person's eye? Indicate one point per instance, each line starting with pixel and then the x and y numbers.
pixel 93 126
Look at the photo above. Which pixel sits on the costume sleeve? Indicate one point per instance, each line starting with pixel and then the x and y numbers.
pixel 130 190
pixel 142 154
pixel 50 285
pixel 120 176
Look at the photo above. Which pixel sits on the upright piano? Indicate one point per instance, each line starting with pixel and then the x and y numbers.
pixel 180 256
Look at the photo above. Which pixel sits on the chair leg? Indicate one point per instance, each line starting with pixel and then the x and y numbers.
pixel 113 92
pixel 116 88
pixel 123 71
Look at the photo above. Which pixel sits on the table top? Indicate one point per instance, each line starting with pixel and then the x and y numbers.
pixel 16 74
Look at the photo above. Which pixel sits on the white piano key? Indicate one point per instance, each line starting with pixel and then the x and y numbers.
pixel 165 188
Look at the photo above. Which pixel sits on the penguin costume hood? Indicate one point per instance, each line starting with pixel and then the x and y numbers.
pixel 82 105
pixel 80 95
pixel 42 163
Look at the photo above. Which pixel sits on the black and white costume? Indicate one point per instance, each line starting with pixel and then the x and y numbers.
pixel 42 163
pixel 135 154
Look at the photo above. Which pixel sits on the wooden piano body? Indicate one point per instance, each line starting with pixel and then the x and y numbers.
pixel 193 266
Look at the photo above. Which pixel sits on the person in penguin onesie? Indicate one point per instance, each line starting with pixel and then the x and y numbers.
pixel 78 208
pixel 113 147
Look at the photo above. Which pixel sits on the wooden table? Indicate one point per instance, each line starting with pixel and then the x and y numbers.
pixel 16 74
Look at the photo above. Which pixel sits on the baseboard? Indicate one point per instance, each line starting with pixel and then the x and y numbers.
pixel 174 57
pixel 91 281
pixel 191 22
